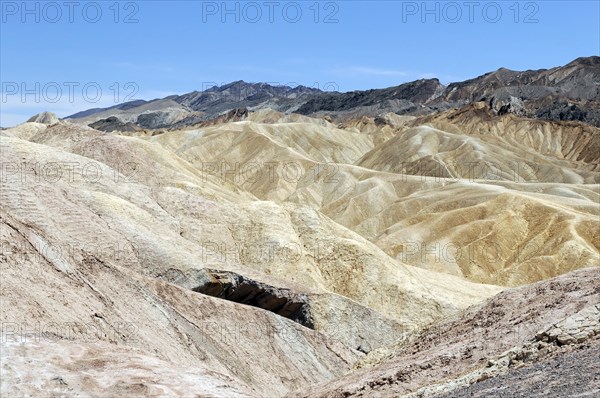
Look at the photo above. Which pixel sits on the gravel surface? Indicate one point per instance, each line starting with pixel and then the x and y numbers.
pixel 574 374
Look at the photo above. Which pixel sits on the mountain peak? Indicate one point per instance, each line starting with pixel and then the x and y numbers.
pixel 504 86
pixel 48 118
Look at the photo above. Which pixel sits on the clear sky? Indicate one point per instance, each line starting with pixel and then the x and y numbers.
pixel 51 51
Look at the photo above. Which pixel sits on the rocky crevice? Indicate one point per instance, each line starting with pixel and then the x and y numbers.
pixel 240 289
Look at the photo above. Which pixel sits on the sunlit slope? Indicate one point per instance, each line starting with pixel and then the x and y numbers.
pixel 126 228
pixel 493 232
pixel 516 222
pixel 266 160
pixel 576 142
pixel 523 334
pixel 427 151
pixel 174 224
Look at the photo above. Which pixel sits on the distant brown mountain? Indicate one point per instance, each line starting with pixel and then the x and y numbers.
pixel 570 92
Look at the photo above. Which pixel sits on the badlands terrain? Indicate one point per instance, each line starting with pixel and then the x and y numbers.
pixel 417 241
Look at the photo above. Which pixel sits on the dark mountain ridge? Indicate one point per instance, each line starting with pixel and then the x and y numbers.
pixel 570 92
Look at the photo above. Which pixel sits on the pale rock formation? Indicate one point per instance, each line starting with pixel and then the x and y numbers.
pixel 48 118
pixel 137 248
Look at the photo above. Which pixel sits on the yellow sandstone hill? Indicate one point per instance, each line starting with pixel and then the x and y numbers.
pixel 258 257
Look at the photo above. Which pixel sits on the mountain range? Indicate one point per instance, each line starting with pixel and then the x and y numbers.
pixel 570 92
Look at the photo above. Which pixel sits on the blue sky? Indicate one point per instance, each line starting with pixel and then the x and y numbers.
pixel 149 49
